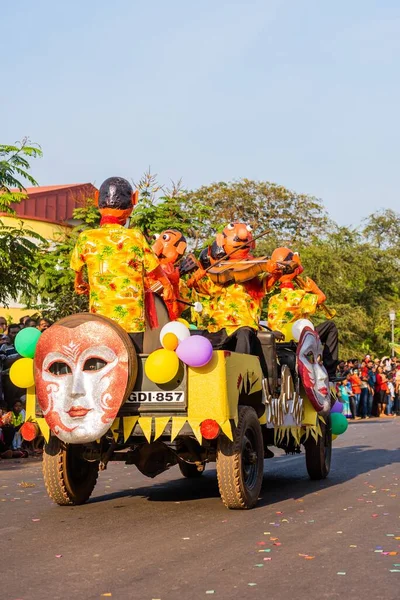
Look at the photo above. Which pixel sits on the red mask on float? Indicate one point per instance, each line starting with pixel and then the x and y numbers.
pixel 233 236
pixel 81 376
pixel 312 372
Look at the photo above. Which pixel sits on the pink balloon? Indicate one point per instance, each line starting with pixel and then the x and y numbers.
pixel 195 351
pixel 337 407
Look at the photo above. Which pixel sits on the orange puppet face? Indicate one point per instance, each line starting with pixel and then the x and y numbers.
pixel 169 246
pixel 283 255
pixel 233 236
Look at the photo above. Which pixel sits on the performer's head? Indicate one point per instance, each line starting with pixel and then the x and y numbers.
pixel 283 255
pixel 233 236
pixel 116 199
pixel 169 246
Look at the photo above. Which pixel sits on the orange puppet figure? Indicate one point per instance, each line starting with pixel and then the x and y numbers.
pixel 299 299
pixel 232 310
pixel 169 247
pixel 117 260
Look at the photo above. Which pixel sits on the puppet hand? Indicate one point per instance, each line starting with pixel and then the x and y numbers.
pixel 188 265
pixel 287 267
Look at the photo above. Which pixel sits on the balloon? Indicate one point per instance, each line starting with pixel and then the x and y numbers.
pixel 195 351
pixel 339 423
pixel 334 437
pixel 170 341
pixel 186 323
pixel 26 340
pixel 298 326
pixel 161 366
pixel 179 329
pixel 21 373
pixel 337 407
pixel 192 326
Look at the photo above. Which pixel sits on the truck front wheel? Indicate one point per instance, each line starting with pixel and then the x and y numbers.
pixel 240 464
pixel 69 479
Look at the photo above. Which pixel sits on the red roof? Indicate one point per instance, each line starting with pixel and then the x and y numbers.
pixel 54 203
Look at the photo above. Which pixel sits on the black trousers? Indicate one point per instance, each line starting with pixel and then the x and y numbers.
pixel 328 333
pixel 243 340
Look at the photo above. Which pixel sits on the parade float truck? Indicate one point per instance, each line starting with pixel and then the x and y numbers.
pixel 96 400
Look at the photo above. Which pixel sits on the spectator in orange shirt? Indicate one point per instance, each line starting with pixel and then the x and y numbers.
pixel 356 385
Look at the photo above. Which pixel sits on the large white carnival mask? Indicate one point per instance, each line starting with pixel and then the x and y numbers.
pixel 81 377
pixel 312 371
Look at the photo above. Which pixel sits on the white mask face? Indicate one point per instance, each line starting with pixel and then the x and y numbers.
pixel 80 384
pixel 312 371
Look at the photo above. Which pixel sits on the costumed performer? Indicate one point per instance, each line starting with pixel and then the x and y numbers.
pixel 293 303
pixel 232 310
pixel 117 260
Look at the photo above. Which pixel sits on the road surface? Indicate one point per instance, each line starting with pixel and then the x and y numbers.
pixel 172 539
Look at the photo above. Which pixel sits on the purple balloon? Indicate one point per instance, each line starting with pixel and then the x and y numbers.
pixel 337 407
pixel 195 351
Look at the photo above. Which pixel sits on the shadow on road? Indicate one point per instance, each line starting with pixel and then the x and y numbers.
pixel 286 479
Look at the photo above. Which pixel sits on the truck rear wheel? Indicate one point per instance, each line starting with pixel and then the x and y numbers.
pixel 69 479
pixel 318 454
pixel 240 464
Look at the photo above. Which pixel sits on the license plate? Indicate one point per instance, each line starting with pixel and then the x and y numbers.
pixel 156 397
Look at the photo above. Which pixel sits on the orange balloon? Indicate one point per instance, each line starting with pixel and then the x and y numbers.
pixel 170 341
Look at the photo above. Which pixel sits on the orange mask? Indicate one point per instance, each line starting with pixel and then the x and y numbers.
pixel 169 246
pixel 233 236
pixel 285 254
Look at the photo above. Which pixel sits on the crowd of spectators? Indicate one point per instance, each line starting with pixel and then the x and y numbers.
pixel 369 387
pixel 12 398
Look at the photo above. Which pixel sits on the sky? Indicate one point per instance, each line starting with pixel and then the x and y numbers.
pixel 304 93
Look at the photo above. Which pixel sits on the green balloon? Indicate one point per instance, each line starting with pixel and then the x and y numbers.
pixel 191 326
pixel 339 423
pixel 26 340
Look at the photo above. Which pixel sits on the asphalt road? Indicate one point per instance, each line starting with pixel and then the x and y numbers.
pixel 172 539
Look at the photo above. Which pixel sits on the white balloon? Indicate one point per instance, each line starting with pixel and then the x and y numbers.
pixel 179 329
pixel 298 327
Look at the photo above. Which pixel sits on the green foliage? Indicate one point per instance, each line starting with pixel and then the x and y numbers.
pixel 290 217
pixel 160 208
pixel 14 168
pixel 18 251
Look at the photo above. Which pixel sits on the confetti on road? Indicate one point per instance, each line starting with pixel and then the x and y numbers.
pixel 341 573
pixel 210 592
pixel 251 584
pixel 58 555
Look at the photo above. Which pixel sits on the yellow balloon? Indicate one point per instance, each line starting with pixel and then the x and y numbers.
pixel 170 341
pixel 186 323
pixel 334 436
pixel 161 366
pixel 21 373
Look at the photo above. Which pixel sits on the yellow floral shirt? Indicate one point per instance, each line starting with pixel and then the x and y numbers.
pixel 289 306
pixel 117 260
pixel 227 307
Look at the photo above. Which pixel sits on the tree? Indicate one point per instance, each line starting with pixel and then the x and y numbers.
pixel 383 229
pixel 18 246
pixel 14 165
pixel 289 216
